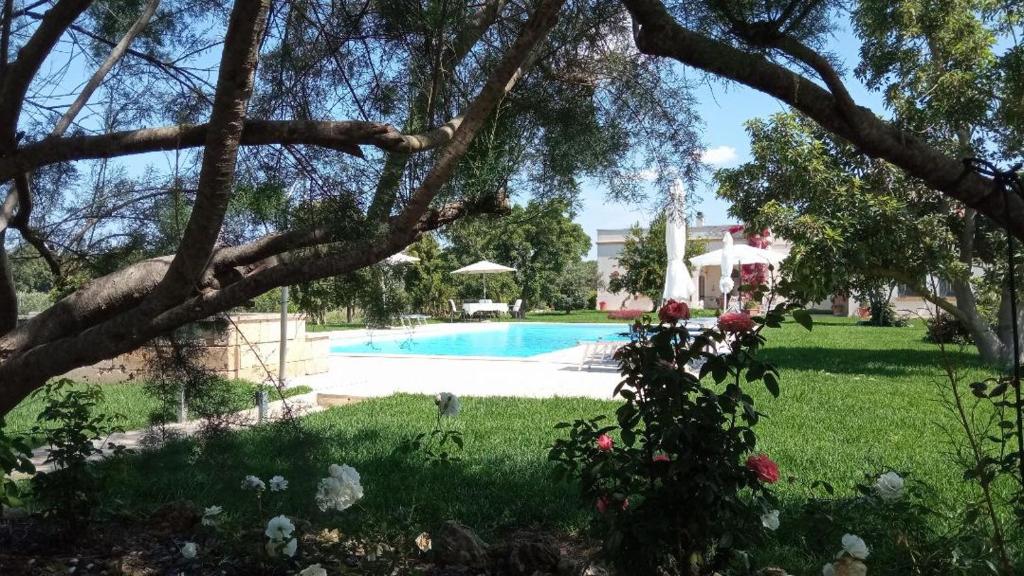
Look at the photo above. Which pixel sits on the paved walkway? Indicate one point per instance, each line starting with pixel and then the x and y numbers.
pixel 132 439
pixel 542 376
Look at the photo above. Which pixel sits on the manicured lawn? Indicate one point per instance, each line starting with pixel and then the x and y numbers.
pixel 854 399
pixel 588 316
pixel 128 400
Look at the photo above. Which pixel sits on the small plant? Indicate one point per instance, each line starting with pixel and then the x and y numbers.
pixel 438 444
pixel 72 430
pixel 684 487
pixel 948 329
pixel 14 457
pixel 882 312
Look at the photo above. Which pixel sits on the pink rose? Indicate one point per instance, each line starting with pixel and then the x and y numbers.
pixel 767 471
pixel 605 443
pixel 735 323
pixel 662 458
pixel 673 311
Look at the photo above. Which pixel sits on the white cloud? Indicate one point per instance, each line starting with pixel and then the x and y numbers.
pixel 719 156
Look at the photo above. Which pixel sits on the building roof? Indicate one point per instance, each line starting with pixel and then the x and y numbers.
pixel 707 232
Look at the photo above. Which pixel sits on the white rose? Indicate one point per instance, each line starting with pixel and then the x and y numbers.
pixel 770 520
pixel 279 528
pixel 278 484
pixel 210 515
pixel 189 550
pixel 313 570
pixel 854 546
pixel 253 483
pixel 889 486
pixel 290 548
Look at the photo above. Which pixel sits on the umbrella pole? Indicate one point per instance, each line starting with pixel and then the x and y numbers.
pixel 485 285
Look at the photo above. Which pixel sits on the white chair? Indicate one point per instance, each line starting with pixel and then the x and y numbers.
pixel 517 308
pixel 599 351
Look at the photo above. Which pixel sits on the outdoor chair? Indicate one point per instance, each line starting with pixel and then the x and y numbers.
pixel 456 312
pixel 517 309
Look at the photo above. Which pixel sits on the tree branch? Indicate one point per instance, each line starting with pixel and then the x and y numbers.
pixel 25 369
pixel 345 136
pixel 31 56
pixel 657 33
pixel 217 174
pixel 115 55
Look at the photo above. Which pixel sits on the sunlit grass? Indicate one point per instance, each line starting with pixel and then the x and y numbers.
pixel 854 399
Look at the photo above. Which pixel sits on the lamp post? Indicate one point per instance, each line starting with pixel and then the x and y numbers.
pixel 262 401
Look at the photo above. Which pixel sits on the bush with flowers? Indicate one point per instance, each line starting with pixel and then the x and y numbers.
pixel 683 486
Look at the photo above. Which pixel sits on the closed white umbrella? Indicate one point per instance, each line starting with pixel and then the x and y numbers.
pixel 678 282
pixel 484 267
pixel 726 283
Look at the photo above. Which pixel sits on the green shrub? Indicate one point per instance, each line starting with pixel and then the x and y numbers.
pixel 685 486
pixel 29 302
pixel 71 428
pixel 947 329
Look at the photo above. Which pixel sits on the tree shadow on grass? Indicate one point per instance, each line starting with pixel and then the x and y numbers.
pixel 403 492
pixel 888 362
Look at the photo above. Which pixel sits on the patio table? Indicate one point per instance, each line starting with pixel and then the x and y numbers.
pixel 472 308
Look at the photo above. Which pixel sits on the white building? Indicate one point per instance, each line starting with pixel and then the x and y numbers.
pixel 610 243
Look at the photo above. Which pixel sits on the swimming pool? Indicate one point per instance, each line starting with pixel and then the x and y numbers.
pixel 516 340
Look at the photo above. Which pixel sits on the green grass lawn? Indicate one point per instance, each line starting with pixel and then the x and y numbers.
pixel 854 399
pixel 129 400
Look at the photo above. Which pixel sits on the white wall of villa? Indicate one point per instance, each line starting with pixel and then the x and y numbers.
pixel 610 243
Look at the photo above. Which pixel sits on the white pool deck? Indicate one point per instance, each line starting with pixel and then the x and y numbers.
pixel 541 376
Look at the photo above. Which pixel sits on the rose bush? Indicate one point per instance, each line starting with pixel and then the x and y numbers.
pixel 682 487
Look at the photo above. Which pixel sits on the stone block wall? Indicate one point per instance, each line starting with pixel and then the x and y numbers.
pixel 246 348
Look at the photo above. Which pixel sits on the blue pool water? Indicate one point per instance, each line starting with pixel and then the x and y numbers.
pixel 508 340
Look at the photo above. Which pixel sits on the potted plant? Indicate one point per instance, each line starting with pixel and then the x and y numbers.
pixel 752 307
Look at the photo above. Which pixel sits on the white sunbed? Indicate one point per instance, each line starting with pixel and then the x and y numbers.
pixel 598 351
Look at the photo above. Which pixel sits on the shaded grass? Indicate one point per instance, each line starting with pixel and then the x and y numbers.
pixel 130 401
pixel 502 481
pixel 854 399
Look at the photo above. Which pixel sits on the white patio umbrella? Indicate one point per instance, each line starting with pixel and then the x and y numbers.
pixel 741 254
pixel 678 282
pixel 484 268
pixel 726 283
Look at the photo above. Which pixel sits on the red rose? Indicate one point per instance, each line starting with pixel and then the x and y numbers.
pixel 662 458
pixel 735 323
pixel 605 443
pixel 767 471
pixel 673 311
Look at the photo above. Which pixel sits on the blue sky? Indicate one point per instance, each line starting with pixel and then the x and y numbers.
pixel 724 108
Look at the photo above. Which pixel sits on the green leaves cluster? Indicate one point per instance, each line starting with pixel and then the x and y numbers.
pixel 74 432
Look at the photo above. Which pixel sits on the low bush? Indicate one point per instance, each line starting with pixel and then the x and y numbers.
pixel 683 487
pixel 625 314
pixel 947 329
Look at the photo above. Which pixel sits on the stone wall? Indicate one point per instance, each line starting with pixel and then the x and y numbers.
pixel 246 348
